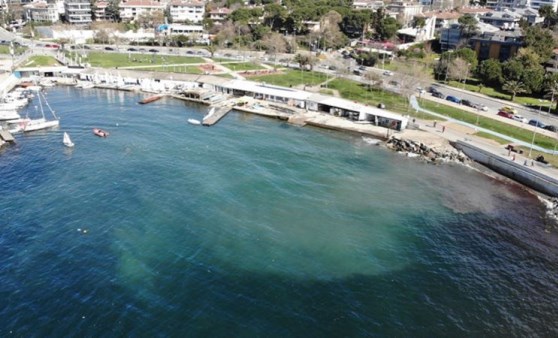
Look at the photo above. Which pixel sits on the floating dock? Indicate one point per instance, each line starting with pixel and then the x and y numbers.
pixel 6 136
pixel 216 116
pixel 150 99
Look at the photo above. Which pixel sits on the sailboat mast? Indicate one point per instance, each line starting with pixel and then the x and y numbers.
pixel 49 108
pixel 41 105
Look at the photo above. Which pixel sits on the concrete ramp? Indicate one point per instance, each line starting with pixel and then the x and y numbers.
pixel 217 115
pixel 6 136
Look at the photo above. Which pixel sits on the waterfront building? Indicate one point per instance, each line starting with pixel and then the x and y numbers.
pixel 187 10
pixel 536 4
pixel 77 11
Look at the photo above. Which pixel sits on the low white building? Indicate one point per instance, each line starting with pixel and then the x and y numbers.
pixel 187 10
pixel 42 11
pixel 404 11
pixel 130 10
pixel 368 4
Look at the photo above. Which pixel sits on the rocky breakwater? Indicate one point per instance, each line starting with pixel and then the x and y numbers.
pixel 431 154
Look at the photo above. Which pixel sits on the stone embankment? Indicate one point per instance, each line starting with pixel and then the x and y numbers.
pixel 419 149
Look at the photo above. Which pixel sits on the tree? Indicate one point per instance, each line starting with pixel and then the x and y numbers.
pixel 373 78
pixel 419 21
pixel 512 70
pixel 211 49
pixel 468 25
pixel 329 29
pixel 409 76
pixel 514 87
pixel 550 17
pixel 274 43
pixel 458 69
pixel 305 60
pixel 551 87
pixel 540 40
pixel 490 72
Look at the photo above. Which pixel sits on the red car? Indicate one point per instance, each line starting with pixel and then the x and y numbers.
pixel 505 114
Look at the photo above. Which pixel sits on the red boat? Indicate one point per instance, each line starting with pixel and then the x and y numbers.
pixel 150 99
pixel 100 132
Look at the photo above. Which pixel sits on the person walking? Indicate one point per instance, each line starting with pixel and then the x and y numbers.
pixel 443 129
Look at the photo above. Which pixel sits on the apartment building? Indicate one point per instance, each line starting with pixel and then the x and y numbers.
pixel 77 12
pixel 130 10
pixel 41 11
pixel 187 10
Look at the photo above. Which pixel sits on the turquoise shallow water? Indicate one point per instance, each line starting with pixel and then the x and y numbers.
pixel 257 228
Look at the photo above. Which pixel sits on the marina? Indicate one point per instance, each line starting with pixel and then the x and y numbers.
pixel 256 216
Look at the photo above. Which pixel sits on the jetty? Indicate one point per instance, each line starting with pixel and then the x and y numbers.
pixel 216 116
pixel 6 136
pixel 150 99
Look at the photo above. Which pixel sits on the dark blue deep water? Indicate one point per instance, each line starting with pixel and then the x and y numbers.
pixel 254 227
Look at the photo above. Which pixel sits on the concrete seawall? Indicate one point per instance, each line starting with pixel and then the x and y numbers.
pixel 526 175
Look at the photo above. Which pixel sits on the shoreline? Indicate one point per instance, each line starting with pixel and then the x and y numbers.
pixel 438 148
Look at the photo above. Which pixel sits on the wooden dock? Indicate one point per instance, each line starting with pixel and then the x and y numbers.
pixel 216 116
pixel 6 136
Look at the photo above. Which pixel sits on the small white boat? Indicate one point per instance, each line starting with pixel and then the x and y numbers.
pixel 194 121
pixel 370 140
pixel 88 85
pixel 67 141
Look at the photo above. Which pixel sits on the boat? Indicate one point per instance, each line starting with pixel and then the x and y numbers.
pixel 40 123
pixel 6 115
pixel 67 141
pixel 194 121
pixel 87 85
pixel 100 132
pixel 150 99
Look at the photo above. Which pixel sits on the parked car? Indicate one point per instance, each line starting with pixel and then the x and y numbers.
pixel 508 109
pixel 362 68
pixel 153 50
pixel 388 73
pixel 332 68
pixel 537 123
pixel 468 103
pixel 550 127
pixel 109 48
pixel 439 95
pixel 453 99
pixel 519 118
pixel 505 114
pixel 132 50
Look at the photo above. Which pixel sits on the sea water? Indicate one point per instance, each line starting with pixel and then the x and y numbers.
pixel 254 227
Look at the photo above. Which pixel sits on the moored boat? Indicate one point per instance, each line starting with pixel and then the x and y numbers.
pixel 100 132
pixel 194 121
pixel 150 99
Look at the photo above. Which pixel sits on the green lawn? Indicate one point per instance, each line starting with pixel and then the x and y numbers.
pixel 110 60
pixel 491 124
pixel 40 61
pixel 6 50
pixel 355 91
pixel 241 66
pixel 291 77
pixel 497 93
pixel 174 69
pixel 491 137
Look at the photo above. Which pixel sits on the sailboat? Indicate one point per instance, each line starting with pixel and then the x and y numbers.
pixel 41 123
pixel 67 141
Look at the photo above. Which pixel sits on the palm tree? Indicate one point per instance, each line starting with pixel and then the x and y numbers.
pixel 468 25
pixel 514 87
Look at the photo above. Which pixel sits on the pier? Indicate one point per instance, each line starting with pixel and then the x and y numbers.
pixel 6 136
pixel 216 116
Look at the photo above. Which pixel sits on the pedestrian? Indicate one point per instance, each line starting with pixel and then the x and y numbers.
pixel 513 157
pixel 443 129
pixel 434 124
